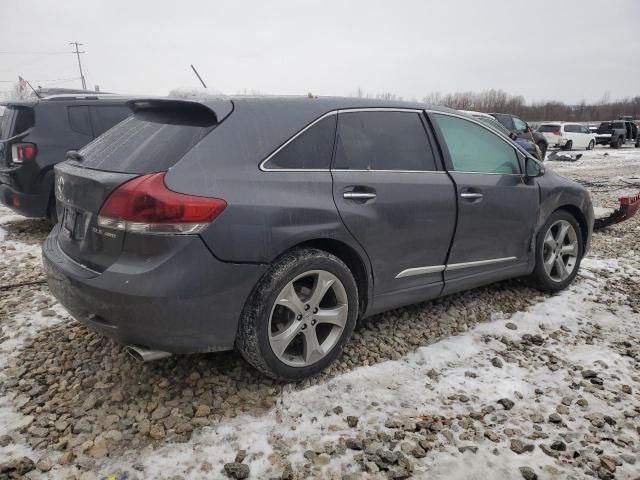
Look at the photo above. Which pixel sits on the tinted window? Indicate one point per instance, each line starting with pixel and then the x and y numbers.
pixel 493 123
pixel 16 120
pixel 618 125
pixel 584 129
pixel 519 124
pixel 382 141
pixel 106 116
pixel 549 128
pixel 504 120
pixel 475 149
pixel 312 149
pixel 79 119
pixel 148 142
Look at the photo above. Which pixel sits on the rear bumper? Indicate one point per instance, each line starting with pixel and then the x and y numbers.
pixel 189 302
pixel 29 205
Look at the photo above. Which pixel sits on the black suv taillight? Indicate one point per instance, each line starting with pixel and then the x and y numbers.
pixel 22 152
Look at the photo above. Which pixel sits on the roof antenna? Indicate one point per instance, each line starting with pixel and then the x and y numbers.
pixel 34 90
pixel 198 75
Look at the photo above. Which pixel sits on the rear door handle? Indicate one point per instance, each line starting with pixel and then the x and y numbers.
pixel 358 195
pixel 470 195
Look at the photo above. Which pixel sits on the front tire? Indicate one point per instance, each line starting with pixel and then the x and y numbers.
pixel 559 250
pixel 300 315
pixel 568 146
pixel 591 145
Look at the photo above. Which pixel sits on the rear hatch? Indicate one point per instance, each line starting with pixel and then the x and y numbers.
pixel 550 131
pixel 154 139
pixel 16 121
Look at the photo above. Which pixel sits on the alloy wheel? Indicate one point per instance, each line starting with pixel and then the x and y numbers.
pixel 308 318
pixel 560 250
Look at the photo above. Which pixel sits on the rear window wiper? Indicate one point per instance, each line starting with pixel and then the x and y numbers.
pixel 74 155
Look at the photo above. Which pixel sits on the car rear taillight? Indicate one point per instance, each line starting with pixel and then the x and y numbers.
pixel 146 205
pixel 21 152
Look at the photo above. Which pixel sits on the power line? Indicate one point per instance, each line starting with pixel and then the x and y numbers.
pixel 77 52
pixel 6 52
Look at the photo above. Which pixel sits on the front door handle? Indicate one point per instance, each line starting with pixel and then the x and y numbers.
pixel 471 196
pixel 358 195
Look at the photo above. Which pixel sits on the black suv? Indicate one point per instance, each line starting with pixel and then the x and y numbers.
pixel 522 130
pixel 36 134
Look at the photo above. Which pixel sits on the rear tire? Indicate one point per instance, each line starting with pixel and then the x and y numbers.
pixel 299 316
pixel 559 250
pixel 617 143
pixel 591 145
pixel 568 146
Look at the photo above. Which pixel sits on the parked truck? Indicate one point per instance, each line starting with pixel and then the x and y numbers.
pixel 616 133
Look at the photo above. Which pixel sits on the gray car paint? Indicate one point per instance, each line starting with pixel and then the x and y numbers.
pixel 147 289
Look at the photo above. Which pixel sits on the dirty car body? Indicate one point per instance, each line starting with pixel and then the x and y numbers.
pixel 414 227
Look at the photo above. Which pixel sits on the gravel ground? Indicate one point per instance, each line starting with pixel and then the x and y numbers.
pixel 73 404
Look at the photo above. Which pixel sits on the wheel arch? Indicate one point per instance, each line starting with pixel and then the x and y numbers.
pixel 582 222
pixel 351 258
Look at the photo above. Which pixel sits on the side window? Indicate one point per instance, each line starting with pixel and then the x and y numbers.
pixel 79 119
pixel 383 141
pixel 519 124
pixel 584 129
pixel 475 149
pixel 106 116
pixel 311 150
pixel 505 120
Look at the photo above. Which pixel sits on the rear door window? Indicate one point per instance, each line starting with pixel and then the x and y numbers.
pixel 310 150
pixel 383 141
pixel 150 141
pixel 103 117
pixel 79 119
pixel 504 120
pixel 474 149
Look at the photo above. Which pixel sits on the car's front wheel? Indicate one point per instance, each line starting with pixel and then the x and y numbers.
pixel 299 316
pixel 559 250
pixel 568 146
pixel 591 145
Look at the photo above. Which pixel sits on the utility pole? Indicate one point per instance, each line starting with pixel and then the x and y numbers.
pixel 84 84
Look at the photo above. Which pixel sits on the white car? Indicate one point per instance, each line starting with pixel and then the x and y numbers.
pixel 568 136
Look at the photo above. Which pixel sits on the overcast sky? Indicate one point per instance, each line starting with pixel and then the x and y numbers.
pixel 566 50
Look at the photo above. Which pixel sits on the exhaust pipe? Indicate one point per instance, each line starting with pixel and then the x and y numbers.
pixel 143 355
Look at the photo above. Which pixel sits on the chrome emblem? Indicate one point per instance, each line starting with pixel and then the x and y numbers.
pixel 60 188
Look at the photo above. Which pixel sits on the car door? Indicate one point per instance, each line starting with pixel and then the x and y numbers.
pixel 395 200
pixel 497 207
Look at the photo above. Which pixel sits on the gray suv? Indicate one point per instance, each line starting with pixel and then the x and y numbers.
pixel 273 224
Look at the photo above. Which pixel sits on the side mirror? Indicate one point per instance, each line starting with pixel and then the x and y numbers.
pixel 533 168
pixel 513 136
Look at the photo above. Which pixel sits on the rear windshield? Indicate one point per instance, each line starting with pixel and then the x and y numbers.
pixel 16 120
pixel 549 128
pixel 149 141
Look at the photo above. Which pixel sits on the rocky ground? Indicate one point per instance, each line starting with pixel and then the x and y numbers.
pixel 500 382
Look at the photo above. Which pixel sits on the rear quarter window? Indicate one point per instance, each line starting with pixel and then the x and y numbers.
pixel 310 150
pixel 103 117
pixel 79 119
pixel 16 120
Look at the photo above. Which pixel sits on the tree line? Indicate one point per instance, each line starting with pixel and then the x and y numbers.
pixel 499 101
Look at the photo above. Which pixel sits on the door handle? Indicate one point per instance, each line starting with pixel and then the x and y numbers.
pixel 358 195
pixel 471 196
